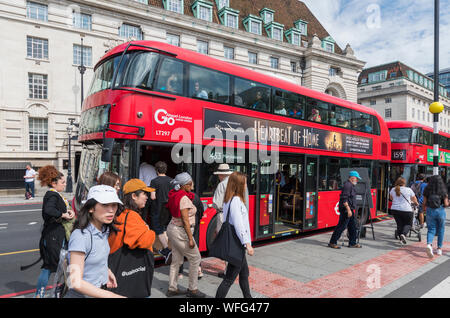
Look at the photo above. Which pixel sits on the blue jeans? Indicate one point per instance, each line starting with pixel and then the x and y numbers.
pixel 436 225
pixel 42 282
pixel 29 187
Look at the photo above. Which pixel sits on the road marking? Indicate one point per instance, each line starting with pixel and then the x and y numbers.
pixel 32 223
pixel 441 290
pixel 19 252
pixel 20 211
pixel 3 227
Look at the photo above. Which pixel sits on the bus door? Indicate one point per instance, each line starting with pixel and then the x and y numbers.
pixel 263 184
pixel 311 194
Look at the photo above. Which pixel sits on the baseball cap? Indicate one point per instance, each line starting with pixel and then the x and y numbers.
pixel 103 194
pixel 355 174
pixel 134 185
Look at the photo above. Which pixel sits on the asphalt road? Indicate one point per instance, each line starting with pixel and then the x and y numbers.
pixel 20 227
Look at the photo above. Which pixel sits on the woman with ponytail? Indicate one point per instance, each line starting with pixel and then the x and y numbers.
pixel 402 199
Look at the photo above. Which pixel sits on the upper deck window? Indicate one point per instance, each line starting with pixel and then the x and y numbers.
pixel 170 78
pixel 104 73
pixel 400 135
pixel 208 84
pixel 140 71
pixel 251 95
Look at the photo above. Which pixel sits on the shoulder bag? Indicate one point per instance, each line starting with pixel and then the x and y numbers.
pixel 133 269
pixel 227 245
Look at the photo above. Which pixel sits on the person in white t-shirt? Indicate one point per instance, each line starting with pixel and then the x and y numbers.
pixel 402 197
pixel 29 176
pixel 147 173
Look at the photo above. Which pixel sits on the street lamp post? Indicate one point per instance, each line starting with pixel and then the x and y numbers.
pixel 436 107
pixel 69 183
pixel 302 67
pixel 82 70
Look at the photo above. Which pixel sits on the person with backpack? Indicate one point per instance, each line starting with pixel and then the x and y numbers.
pixel 402 197
pixel 435 198
pixel 55 211
pixel 418 186
pixel 89 275
pixel 132 245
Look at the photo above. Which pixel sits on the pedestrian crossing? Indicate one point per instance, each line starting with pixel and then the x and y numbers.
pixel 441 290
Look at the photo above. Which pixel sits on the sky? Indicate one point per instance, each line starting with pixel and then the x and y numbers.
pixel 384 31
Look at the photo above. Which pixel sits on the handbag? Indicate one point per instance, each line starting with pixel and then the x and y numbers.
pixel 133 269
pixel 227 245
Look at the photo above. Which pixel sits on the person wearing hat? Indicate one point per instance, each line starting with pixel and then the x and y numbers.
pixel 180 232
pixel 223 172
pixel 347 205
pixel 88 245
pixel 137 234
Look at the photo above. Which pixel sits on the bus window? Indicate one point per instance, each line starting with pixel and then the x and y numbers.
pixel 207 84
pixel 103 76
pixel 316 111
pixel 170 77
pixel 140 70
pixel 332 115
pixel 343 117
pixel 427 138
pixel 362 122
pixel 287 103
pixel 251 95
pixel 376 125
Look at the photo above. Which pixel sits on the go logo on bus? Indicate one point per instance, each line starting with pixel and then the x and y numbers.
pixel 162 117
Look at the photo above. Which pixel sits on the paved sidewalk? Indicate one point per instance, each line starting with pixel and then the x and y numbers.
pixel 306 267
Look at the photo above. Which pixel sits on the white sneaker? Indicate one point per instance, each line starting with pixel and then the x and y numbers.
pixel 430 251
pixel 31 198
pixel 439 251
pixel 403 239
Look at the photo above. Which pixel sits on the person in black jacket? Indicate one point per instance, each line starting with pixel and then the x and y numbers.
pixel 347 205
pixel 55 209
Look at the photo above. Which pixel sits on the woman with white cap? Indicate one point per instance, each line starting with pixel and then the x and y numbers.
pixel 89 247
pixel 180 232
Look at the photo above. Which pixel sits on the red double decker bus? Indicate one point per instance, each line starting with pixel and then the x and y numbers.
pixel 412 151
pixel 152 101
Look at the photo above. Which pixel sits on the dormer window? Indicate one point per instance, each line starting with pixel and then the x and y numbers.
pixel 229 17
pixel 253 24
pixel 328 44
pixel 275 31
pixel 302 26
pixel 203 10
pixel 222 4
pixel 294 36
pixel 267 15
pixel 174 5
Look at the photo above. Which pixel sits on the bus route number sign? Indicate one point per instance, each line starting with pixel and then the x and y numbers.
pixel 399 154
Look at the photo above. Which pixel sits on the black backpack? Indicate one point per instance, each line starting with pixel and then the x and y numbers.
pixel 434 201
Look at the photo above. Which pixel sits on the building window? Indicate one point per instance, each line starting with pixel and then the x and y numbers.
pixel 373 102
pixel 174 5
pixel 232 21
pixel 277 34
pixel 302 26
pixel 294 67
pixel 296 39
pixel 255 27
pixel 202 10
pixel 274 61
pixel 222 4
pixel 252 58
pixel 253 24
pixel 82 21
pixel 38 134
pixel 173 39
pixel 228 52
pixel 128 31
pixel 143 1
pixel 202 47
pixel 333 71
pixel 413 112
pixel 87 55
pixel 328 44
pixel 37 86
pixel 388 113
pixel 377 76
pixel 37 11
pixel 329 47
pixel 37 48
pixel 388 100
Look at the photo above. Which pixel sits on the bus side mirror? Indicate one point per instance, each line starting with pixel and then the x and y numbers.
pixel 107 149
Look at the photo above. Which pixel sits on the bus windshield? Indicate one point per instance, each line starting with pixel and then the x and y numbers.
pixel 400 135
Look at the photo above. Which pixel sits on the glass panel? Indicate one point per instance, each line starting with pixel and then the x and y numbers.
pixel 170 76
pixel 207 84
pixel 252 95
pixel 141 70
